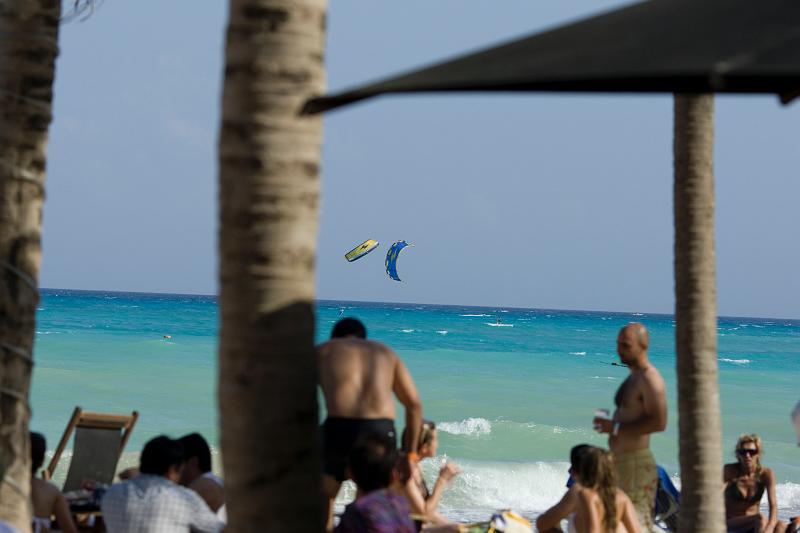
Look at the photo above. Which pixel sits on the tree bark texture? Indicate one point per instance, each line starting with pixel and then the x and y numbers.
pixel 269 157
pixel 702 506
pixel 28 50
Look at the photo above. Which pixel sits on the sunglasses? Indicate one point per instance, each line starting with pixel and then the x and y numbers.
pixel 748 451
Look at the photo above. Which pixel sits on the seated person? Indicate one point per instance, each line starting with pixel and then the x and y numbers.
pixel 197 474
pixel 602 506
pixel 550 520
pixel 46 498
pixel 153 502
pixel 423 501
pixel 376 509
pixel 745 484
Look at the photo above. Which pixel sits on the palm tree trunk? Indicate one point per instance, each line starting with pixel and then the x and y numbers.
pixel 269 159
pixel 28 50
pixel 702 506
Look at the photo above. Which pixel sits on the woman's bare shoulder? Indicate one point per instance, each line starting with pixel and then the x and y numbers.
pixel 622 498
pixel 44 492
pixel 44 487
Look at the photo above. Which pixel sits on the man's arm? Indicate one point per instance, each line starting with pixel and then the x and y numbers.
pixel 406 393
pixel 202 519
pixel 551 518
pixel 210 491
pixel 654 411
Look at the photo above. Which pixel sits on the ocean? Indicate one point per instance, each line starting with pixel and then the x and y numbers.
pixel 509 399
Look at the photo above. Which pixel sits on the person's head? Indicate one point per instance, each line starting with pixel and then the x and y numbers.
pixel 162 456
pixel 372 462
pixel 197 456
pixel 632 343
pixel 428 439
pixel 349 327
pixel 796 421
pixel 748 451
pixel 597 473
pixel 38 447
pixel 576 458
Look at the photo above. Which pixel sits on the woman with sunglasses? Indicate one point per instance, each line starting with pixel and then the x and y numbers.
pixel 425 502
pixel 745 484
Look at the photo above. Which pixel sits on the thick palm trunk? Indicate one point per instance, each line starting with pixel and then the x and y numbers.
pixel 28 50
pixel 269 195
pixel 702 507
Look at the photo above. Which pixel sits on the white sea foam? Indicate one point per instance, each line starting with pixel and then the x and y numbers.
pixel 603 377
pixel 483 487
pixel 527 487
pixel 408 331
pixel 494 324
pixel 473 427
pixel 442 332
pixel 577 353
pixel 736 361
pixel 476 315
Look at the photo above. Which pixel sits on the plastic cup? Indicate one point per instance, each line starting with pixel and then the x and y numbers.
pixel 602 413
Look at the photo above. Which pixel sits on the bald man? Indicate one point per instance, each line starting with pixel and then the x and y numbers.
pixel 641 410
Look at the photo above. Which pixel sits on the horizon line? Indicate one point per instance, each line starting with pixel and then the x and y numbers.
pixel 634 313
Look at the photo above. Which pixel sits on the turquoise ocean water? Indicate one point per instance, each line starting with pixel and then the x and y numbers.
pixel 510 400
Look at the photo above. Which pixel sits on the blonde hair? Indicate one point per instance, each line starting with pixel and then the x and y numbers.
pixel 751 438
pixel 597 473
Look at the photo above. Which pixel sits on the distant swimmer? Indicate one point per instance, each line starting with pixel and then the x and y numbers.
pixel 341 311
pixel 499 321
pixel 167 336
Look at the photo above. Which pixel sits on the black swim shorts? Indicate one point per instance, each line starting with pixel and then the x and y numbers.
pixel 340 434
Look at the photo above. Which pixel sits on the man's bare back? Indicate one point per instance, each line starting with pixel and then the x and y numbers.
pixel 357 378
pixel 360 379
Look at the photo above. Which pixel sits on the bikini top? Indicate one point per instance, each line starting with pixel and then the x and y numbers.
pixel 732 491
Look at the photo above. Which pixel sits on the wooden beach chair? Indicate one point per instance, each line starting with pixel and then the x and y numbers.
pixel 99 441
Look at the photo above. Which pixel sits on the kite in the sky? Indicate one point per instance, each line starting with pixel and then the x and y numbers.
pixel 391 259
pixel 361 250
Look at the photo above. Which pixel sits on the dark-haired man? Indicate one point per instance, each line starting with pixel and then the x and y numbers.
pixel 360 380
pixel 153 502
pixel 376 509
pixel 197 474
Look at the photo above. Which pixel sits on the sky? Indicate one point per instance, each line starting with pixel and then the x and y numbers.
pixel 534 200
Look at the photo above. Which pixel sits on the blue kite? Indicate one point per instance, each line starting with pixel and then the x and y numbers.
pixel 391 259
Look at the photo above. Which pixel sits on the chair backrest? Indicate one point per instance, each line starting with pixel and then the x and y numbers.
pixel 100 439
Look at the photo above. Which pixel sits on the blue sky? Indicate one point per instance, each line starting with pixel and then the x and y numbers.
pixel 527 200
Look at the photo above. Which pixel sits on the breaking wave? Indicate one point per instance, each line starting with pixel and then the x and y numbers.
pixel 471 426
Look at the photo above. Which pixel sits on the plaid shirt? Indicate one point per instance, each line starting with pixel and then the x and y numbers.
pixel 154 504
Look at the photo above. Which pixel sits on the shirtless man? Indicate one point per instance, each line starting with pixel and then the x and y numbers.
pixel 641 409
pixel 359 380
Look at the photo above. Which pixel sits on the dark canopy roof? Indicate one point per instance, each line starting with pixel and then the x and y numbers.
pixel 692 46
